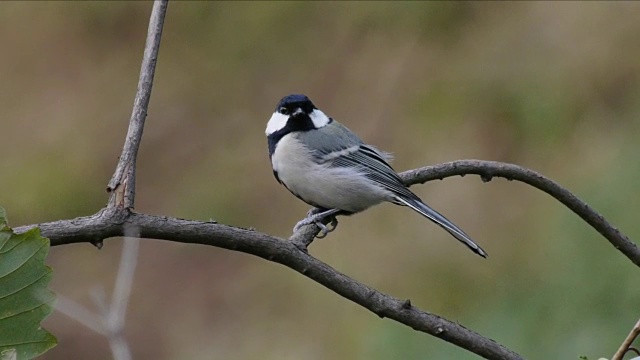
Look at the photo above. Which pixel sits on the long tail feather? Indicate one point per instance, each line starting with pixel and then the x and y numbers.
pixel 437 218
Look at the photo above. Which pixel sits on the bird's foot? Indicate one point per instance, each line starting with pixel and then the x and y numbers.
pixel 315 216
pixel 324 229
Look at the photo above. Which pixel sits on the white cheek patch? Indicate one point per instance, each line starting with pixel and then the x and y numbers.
pixel 277 122
pixel 319 118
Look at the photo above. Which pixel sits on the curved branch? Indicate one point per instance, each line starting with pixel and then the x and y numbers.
pixel 118 220
pixel 122 185
pixel 111 222
pixel 490 169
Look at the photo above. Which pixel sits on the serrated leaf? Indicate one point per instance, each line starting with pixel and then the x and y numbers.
pixel 25 299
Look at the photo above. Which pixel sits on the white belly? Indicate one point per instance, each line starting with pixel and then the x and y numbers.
pixel 320 184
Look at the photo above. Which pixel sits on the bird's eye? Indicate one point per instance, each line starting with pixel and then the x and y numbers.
pixel 283 110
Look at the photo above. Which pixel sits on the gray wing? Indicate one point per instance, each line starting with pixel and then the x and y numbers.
pixel 329 139
pixel 336 145
pixel 374 166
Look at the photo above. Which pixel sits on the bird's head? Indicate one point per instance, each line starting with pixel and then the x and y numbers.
pixel 295 113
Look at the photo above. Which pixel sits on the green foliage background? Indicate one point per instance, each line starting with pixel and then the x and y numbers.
pixel 551 86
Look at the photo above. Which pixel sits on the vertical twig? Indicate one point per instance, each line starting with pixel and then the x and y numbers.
pixel 117 341
pixel 111 319
pixel 124 282
pixel 123 183
pixel 626 344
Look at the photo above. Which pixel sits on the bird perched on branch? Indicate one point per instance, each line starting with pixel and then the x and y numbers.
pixel 326 165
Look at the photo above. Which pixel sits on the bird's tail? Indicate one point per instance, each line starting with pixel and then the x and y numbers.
pixel 437 218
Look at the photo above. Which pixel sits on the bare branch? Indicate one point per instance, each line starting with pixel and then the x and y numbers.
pixel 487 171
pixel 124 280
pixel 117 219
pixel 626 344
pixel 490 169
pixel 80 314
pixel 122 188
pixel 110 222
pixel 110 319
pixel 122 185
pixel 114 222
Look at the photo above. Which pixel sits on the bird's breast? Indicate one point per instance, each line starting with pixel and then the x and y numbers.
pixel 292 161
pixel 322 185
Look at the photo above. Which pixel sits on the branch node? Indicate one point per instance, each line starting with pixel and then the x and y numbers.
pixel 406 304
pixel 98 244
pixel 486 178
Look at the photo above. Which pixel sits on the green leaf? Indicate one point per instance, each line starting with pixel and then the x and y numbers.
pixel 25 299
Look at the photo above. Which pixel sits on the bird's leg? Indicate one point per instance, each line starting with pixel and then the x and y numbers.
pixel 315 216
pixel 326 229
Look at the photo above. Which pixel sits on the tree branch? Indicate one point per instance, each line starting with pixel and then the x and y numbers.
pixel 122 185
pixel 114 221
pixel 111 222
pixel 490 169
pixel 117 219
pixel 487 171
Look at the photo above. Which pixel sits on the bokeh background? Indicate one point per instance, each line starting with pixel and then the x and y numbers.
pixel 550 86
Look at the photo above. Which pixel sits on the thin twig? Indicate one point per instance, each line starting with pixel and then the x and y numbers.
pixel 117 342
pixel 123 183
pixel 119 347
pixel 98 323
pixel 124 281
pixel 110 319
pixel 80 314
pixel 122 188
pixel 626 344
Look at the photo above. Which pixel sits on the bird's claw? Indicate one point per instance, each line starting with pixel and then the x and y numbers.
pixel 324 229
pixel 314 216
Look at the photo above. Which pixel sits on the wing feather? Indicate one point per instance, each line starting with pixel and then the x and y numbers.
pixel 372 165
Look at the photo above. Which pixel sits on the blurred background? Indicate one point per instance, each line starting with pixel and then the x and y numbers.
pixel 550 86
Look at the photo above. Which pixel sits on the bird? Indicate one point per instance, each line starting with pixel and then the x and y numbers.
pixel 327 166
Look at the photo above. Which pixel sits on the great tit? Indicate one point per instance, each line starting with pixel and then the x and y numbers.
pixel 326 165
